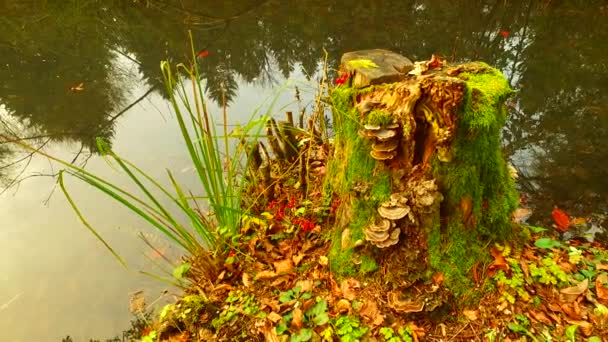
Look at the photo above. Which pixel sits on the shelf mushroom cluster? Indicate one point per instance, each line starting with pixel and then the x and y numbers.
pixel 384 233
pixel 418 198
pixel 385 140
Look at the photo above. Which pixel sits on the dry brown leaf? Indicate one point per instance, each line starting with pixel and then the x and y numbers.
pixel 274 317
pixel 183 337
pixel 269 332
pixel 569 294
pixel 323 260
pixel 265 275
pixel 601 267
pixel 600 290
pixel 584 327
pixel 438 278
pixel 343 307
pixel 348 288
pixel 305 285
pixel 524 268
pixel 283 266
pixel 569 310
pixel 296 321
pixel 369 311
pixel 137 303
pixel 540 317
pixel 273 304
pixel 246 279
pixel 297 258
pixel 471 315
pixel 567 267
pixel 499 263
pixel 520 215
pixel 77 87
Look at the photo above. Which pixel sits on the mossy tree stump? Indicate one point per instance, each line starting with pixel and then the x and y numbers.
pixel 419 174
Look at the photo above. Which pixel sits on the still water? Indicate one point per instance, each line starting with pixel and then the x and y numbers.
pixel 73 70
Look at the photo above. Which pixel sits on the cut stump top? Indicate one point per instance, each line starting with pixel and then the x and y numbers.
pixel 389 67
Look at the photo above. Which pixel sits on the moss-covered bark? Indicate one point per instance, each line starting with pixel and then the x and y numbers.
pixel 445 189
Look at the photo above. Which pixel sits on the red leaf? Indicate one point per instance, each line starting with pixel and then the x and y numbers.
pixel 202 54
pixel 505 34
pixel 562 221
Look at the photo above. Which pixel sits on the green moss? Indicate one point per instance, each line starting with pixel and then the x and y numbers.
pixel 478 172
pixel 362 170
pixel 378 118
pixel 368 265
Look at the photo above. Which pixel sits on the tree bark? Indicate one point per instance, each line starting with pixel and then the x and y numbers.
pixel 419 174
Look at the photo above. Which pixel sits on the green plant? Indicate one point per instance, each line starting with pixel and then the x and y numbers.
pixel 349 328
pixel 238 303
pixel 216 161
pixel 549 272
pixel 389 335
pixel 316 316
pixel 513 286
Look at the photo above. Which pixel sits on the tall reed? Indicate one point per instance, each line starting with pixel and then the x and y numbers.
pixel 217 162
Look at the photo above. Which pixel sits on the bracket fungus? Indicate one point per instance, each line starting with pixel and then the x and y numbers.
pixel 382 233
pixel 385 140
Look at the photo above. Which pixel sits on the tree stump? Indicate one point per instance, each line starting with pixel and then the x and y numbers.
pixel 419 175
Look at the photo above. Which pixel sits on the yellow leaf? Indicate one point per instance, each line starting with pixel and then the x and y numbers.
pixel 362 64
pixel 267 215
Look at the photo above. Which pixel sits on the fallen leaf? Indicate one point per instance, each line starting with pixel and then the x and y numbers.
pixel 569 310
pixel 296 321
pixel 472 315
pixel 600 288
pixel 504 34
pixel 343 307
pixel 265 275
pixel 348 287
pixel 541 317
pixel 570 294
pixel 435 62
pixel 202 54
pixel 274 317
pixel 305 285
pixel 246 279
pixel 283 266
pixel 577 221
pixel 499 263
pixel 323 260
pixel 297 258
pixel 520 215
pixel 586 328
pixel 561 219
pixel 269 332
pixel 77 88
pixel 601 267
pixel 137 303
pixel 438 278
pixel 362 64
pixel 370 312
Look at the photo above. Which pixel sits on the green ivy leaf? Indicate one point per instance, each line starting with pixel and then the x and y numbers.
pixel 180 271
pixel 571 332
pixel 537 230
pixel 362 64
pixel 281 328
pixel 303 335
pixel 547 243
pixel 517 328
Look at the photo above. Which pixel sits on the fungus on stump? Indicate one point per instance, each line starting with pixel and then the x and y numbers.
pixel 419 174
